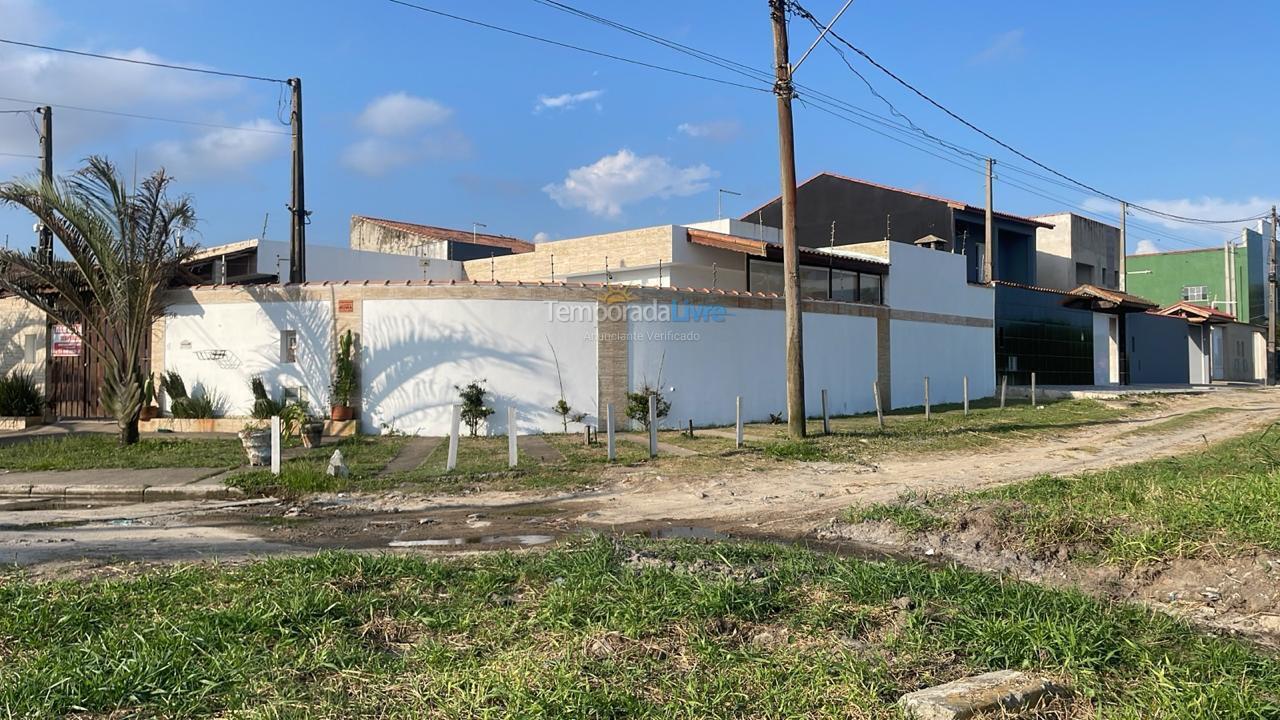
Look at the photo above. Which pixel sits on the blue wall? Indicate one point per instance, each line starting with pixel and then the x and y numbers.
pixel 1157 348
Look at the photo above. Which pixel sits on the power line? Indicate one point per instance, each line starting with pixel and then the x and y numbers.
pixel 155 118
pixel 578 48
pixel 813 20
pixel 135 61
pixel 19 155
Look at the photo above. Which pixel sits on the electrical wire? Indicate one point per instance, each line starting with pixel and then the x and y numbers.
pixel 135 61
pixel 805 14
pixel 578 48
pixel 155 118
pixel 19 155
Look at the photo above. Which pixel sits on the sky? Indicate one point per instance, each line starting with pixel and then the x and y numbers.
pixel 1168 104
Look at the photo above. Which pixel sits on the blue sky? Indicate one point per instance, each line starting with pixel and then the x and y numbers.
pixel 418 118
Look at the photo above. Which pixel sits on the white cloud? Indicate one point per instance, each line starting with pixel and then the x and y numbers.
pixel 541 237
pixel 718 130
pixel 1005 46
pixel 1207 207
pixel 402 130
pixel 220 150
pixel 401 114
pixel 607 185
pixel 1146 247
pixel 567 101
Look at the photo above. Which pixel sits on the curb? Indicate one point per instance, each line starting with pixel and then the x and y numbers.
pixel 140 493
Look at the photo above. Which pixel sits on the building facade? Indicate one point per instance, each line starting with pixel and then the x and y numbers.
pixel 1077 251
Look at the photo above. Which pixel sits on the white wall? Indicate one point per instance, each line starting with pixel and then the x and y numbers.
pixel 933 281
pixel 703 366
pixel 944 353
pixel 416 351
pixel 740 228
pixel 328 262
pixel 1102 349
pixel 248 336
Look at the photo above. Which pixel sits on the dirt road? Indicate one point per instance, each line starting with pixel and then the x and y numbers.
pixel 741 495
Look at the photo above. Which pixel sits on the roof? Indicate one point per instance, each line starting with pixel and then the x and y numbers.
pixel 1197 313
pixel 761 248
pixel 432 232
pixel 225 249
pixel 1102 299
pixel 953 204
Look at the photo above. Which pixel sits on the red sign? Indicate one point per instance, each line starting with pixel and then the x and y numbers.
pixel 346 306
pixel 66 342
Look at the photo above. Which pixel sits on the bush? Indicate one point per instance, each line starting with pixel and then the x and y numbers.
pixel 473 409
pixel 171 383
pixel 206 404
pixel 263 406
pixel 19 396
pixel 638 406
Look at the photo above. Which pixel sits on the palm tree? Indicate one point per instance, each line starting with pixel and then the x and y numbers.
pixel 121 262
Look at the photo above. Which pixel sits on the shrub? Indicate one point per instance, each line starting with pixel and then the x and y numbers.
pixel 263 405
pixel 204 405
pixel 171 383
pixel 149 391
pixel 638 405
pixel 474 411
pixel 344 373
pixel 19 396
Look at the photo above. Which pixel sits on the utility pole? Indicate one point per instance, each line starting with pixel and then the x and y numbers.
pixel 45 251
pixel 1271 303
pixel 1124 248
pixel 989 246
pixel 783 88
pixel 298 206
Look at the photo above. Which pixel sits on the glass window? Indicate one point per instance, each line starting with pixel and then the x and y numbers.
pixel 764 277
pixel 289 346
pixel 844 286
pixel 815 283
pixel 869 288
pixel 1195 292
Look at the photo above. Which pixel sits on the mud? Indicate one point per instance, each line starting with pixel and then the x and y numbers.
pixel 1236 596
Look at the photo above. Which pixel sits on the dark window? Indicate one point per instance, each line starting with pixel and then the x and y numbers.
pixel 289 346
pixel 844 285
pixel 869 288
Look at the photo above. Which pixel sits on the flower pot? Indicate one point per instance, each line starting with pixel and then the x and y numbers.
pixel 149 412
pixel 340 413
pixel 311 433
pixel 257 446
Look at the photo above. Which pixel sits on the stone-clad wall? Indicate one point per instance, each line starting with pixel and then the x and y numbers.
pixel 631 248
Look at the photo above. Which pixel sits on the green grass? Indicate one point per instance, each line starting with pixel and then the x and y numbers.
pixel 580 633
pixel 1221 501
pixel 859 438
pixel 1179 422
pixel 365 456
pixel 90 452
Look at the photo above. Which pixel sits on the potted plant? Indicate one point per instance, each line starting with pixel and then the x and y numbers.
pixel 150 411
pixel 344 380
pixel 256 439
pixel 312 431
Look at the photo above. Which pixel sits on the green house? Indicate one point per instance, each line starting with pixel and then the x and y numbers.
pixel 1231 279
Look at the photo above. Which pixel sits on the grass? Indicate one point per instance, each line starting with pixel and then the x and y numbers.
pixel 587 632
pixel 365 456
pixel 1218 502
pixel 92 452
pixel 859 438
pixel 1177 423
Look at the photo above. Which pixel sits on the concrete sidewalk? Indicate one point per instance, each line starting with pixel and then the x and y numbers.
pixel 125 483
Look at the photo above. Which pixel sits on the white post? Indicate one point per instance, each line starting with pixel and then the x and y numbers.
pixel 653 425
pixel 966 395
pixel 1004 385
pixel 737 433
pixel 1033 389
pixel 513 456
pixel 875 392
pixel 608 428
pixel 452 461
pixel 826 418
pixel 927 413
pixel 275 444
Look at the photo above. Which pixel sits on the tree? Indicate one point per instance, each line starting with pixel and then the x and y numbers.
pixel 121 260
pixel 638 405
pixel 474 411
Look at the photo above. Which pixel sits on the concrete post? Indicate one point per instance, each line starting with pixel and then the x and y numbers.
pixel 452 461
pixel 826 417
pixel 653 425
pixel 513 456
pixel 966 396
pixel 1004 385
pixel 1033 389
pixel 928 415
pixel 875 392
pixel 608 428
pixel 275 444
pixel 737 442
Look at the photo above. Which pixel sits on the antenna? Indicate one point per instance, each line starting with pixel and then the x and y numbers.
pixel 475 225
pixel 720 193
pixel 265 217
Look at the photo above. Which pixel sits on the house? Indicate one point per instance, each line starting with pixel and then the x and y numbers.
pixel 427 241
pixel 837 210
pixel 1077 251
pixel 1220 347
pixel 1232 278
pixel 256 261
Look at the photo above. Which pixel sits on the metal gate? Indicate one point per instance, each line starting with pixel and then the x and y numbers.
pixel 75 382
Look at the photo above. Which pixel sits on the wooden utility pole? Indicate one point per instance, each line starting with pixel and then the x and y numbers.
pixel 989 246
pixel 790 255
pixel 45 251
pixel 1123 281
pixel 1271 303
pixel 298 205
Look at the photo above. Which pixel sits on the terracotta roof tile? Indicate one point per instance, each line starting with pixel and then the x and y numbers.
pixel 516 245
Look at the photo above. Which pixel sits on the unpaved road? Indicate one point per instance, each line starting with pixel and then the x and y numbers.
pixel 744 495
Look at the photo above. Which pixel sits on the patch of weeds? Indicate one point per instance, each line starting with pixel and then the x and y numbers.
pixel 101 451
pixel 911 518
pixel 802 450
pixel 365 457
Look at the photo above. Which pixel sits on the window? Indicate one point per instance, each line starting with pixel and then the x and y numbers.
pixel 844 286
pixel 1195 292
pixel 764 276
pixel 289 346
pixel 815 283
pixel 29 348
pixel 869 288
pixel 1084 274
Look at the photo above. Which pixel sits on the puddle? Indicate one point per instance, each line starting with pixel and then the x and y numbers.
pixel 479 540
pixel 54 503
pixel 685 532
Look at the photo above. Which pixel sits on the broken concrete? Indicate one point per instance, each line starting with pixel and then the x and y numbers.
pixel 999 691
